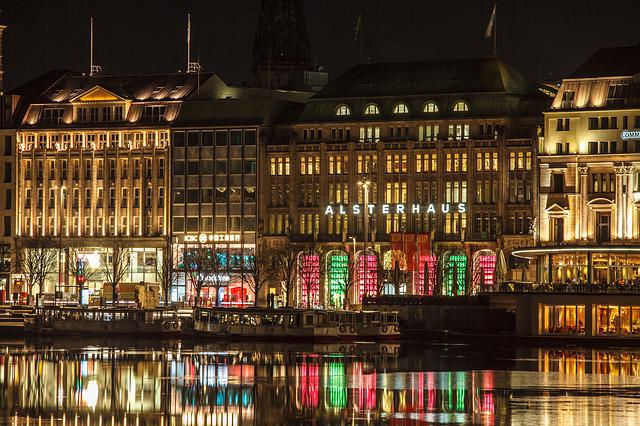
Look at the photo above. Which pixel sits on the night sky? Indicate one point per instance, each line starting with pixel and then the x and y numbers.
pixel 546 39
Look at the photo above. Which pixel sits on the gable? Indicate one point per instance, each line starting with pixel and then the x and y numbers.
pixel 96 94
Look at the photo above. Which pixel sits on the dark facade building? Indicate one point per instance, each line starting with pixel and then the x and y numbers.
pixel 215 179
pixel 430 164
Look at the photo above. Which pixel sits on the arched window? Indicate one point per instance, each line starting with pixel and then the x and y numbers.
pixel 483 270
pixel 401 108
pixel 460 106
pixel 371 109
pixel 343 111
pixel 337 276
pixel 431 107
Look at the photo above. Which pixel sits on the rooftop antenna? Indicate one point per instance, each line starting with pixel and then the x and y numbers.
pixel 191 66
pixel 93 69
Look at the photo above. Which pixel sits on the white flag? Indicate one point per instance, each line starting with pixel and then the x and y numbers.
pixel 358 29
pixel 492 23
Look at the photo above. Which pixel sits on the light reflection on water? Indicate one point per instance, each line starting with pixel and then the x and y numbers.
pixel 177 383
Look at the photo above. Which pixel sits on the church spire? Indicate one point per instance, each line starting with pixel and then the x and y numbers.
pixel 281 47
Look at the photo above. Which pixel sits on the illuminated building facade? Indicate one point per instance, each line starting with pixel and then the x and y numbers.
pixel 430 164
pixel 589 226
pixel 93 168
pixel 215 169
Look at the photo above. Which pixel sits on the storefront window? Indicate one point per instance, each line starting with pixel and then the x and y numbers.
pixel 563 319
pixel 618 320
pixel 338 274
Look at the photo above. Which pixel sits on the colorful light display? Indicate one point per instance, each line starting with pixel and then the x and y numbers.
pixel 430 261
pixel 484 269
pixel 455 271
pixel 309 279
pixel 367 275
pixel 338 274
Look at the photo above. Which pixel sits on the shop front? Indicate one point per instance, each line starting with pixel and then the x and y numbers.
pixel 595 266
pixel 222 282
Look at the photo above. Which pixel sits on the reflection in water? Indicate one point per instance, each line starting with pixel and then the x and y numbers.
pixel 254 384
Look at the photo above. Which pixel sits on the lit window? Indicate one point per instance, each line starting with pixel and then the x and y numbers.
pixel 460 106
pixel 343 111
pixel 371 109
pixel 401 108
pixel 431 107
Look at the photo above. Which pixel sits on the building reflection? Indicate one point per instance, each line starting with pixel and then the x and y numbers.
pixel 583 361
pixel 104 387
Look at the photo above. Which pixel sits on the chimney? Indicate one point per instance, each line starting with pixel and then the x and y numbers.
pixel 2 28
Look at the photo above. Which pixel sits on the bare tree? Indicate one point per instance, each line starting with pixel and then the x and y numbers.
pixel 37 261
pixel 310 273
pixel 79 267
pixel 285 262
pixel 116 263
pixel 256 271
pixel 383 274
pixel 166 272
pixel 343 280
pixel 204 265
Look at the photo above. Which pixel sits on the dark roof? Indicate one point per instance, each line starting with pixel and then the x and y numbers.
pixel 230 112
pixel 70 84
pixel 490 86
pixel 611 62
pixel 428 77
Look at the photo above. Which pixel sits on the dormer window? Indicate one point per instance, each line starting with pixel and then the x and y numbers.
pixel 153 113
pixel 52 115
pixel 401 108
pixel 371 109
pixel 460 106
pixel 431 107
pixel 343 111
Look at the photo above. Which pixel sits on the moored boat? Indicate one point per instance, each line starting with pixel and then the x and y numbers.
pixel 315 325
pixel 124 321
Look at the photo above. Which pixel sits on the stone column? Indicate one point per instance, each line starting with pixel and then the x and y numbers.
pixel 629 202
pixel 620 204
pixel 581 213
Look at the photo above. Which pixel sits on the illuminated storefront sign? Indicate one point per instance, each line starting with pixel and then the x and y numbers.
pixel 212 238
pixel 396 208
pixel 630 134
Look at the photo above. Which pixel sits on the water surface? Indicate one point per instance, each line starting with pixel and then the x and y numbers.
pixel 106 382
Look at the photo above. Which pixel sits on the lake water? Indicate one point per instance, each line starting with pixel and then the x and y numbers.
pixel 98 382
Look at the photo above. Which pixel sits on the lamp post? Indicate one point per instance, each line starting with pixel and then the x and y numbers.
pixel 60 213
pixel 365 187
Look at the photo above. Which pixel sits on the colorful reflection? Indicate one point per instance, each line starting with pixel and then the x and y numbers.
pixel 235 388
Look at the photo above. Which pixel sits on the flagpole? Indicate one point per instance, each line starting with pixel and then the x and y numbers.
pixel 361 41
pixel 495 31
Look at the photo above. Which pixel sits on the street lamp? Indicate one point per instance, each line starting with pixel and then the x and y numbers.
pixel 365 184
pixel 62 189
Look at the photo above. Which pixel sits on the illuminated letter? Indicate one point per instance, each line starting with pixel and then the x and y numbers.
pixel 342 210
pixel 462 208
pixel 371 207
pixel 399 208
pixel 385 209
pixel 445 208
pixel 329 210
pixel 431 208
pixel 356 209
pixel 415 208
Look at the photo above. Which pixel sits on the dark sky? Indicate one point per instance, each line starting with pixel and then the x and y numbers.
pixel 545 39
